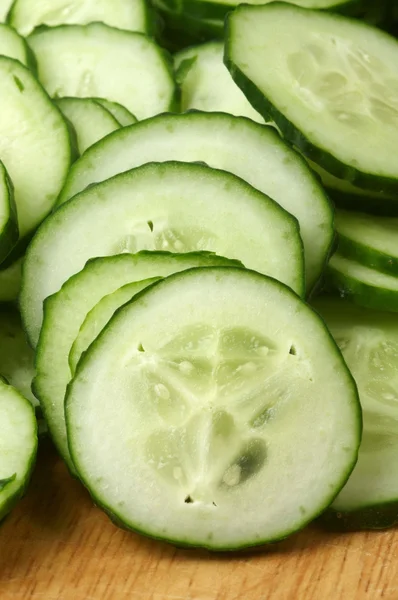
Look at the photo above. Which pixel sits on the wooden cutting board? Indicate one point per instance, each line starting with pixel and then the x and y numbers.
pixel 57 546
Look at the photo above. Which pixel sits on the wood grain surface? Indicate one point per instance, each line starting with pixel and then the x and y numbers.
pixel 57 546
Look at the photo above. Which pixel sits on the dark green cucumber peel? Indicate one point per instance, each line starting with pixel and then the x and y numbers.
pixel 382 205
pixel 290 132
pixel 10 234
pixel 370 257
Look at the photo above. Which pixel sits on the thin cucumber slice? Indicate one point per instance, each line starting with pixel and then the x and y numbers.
pixel 369 343
pixel 96 60
pixel 362 285
pixel 16 356
pixel 91 121
pixel 5 6
pixel 370 240
pixel 34 144
pixel 8 215
pixel 14 46
pixel 18 435
pixel 234 420
pixel 347 195
pixel 10 282
pixel 206 84
pixel 121 114
pixel 26 15
pixel 253 152
pixel 179 207
pixel 66 311
pixel 99 316
pixel 321 78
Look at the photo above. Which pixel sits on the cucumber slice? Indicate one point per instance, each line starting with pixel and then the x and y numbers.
pixel 321 78
pixel 369 343
pixel 34 144
pixel 5 6
pixel 362 285
pixel 65 312
pixel 8 215
pixel 91 121
pixel 239 416
pixel 16 356
pixel 370 240
pixel 14 46
pixel 98 317
pixel 10 282
pixel 26 15
pixel 346 195
pixel 97 60
pixel 18 435
pixel 253 152
pixel 167 206
pixel 206 84
pixel 123 116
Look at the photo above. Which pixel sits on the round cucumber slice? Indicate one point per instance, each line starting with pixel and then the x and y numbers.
pixel 65 313
pixel 90 120
pixel 234 420
pixel 369 343
pixel 206 84
pixel 363 285
pixel 96 60
pixel 34 144
pixel 252 151
pixel 328 82
pixel 18 435
pixel 369 240
pixel 8 215
pixel 181 207
pixel 26 15
pixel 5 6
pixel 123 116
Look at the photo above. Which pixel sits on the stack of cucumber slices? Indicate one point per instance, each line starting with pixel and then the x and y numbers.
pixel 203 336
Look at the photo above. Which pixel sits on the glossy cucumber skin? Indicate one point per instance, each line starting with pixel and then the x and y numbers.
pixel 292 134
pixel 381 205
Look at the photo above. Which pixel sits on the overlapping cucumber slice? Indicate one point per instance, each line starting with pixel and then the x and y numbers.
pixel 369 343
pixel 9 232
pixel 237 419
pixel 328 82
pixel 180 207
pixel 18 447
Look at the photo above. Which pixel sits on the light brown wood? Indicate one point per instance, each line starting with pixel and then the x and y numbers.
pixel 57 546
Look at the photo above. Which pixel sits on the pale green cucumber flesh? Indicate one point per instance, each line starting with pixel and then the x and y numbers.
pixel 91 121
pixel 5 6
pixel 121 114
pixel 206 84
pixel 13 45
pixel 133 71
pixel 253 152
pixel 172 206
pixel 322 78
pixel 237 420
pixel 34 140
pixel 26 15
pixel 369 343
pixel 98 317
pixel 18 446
pixel 65 312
